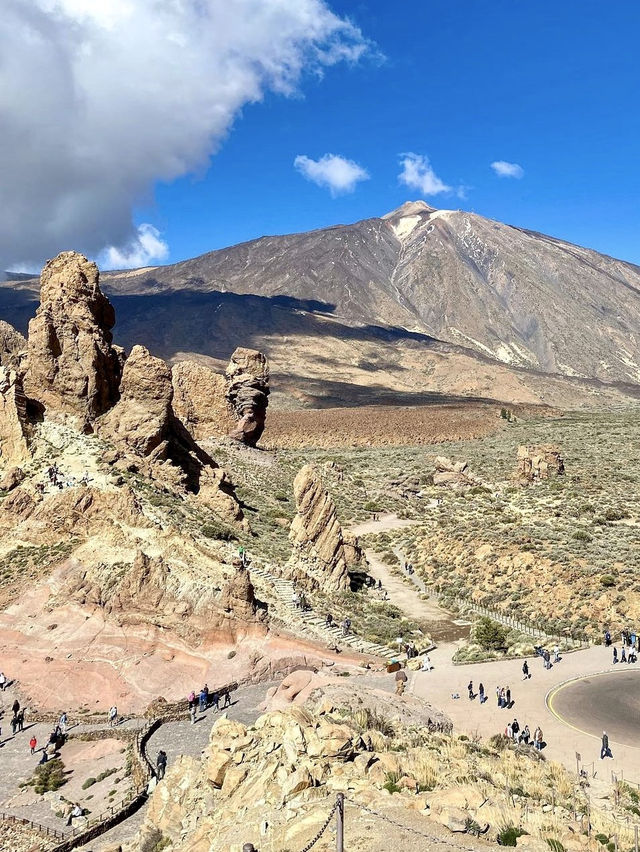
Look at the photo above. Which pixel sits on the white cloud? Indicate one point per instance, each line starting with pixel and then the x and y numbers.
pixel 100 100
pixel 336 173
pixel 509 170
pixel 417 173
pixel 145 248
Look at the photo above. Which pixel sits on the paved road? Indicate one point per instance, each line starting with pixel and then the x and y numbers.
pixel 606 702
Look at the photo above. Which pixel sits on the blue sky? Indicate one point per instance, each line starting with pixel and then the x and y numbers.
pixel 552 87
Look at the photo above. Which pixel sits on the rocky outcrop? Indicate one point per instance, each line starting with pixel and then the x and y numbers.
pixel 12 346
pixel 72 365
pixel 238 597
pixel 248 394
pixel 15 430
pixel 455 475
pixel 143 422
pixel 11 479
pixel 539 462
pixel 199 400
pixel 319 558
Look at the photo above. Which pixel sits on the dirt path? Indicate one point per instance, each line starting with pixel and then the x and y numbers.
pixel 406 593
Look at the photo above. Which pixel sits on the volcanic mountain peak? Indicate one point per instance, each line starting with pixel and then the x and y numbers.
pixel 410 208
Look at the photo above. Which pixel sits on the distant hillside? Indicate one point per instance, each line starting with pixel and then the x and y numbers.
pixel 418 302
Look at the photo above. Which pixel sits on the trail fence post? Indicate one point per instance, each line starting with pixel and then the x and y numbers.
pixel 635 832
pixel 340 824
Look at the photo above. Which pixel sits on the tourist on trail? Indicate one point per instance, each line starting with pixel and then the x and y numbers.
pixel 346 626
pixel 3 681
pixel 203 700
pixel 192 712
pixel 615 655
pixel 556 654
pixel 379 583
pixel 605 751
pixel 62 723
pixel 33 742
pixel 515 728
pixel 161 764
pixel 547 660
pixel 508 732
pixel 623 655
pixel 481 694
pixel 21 720
pixel 75 812
pixel 401 679
pixel 215 701
pixel 525 670
pixel 227 699
pixel 295 599
pixel 525 736
pixel 507 697
pixel 113 715
pixel 328 620
pixel 191 699
pixel 538 738
pixel 470 690
pixel 14 725
pixel 499 695
pixel 607 638
pixel 15 707
pixel 43 757
pixel 426 664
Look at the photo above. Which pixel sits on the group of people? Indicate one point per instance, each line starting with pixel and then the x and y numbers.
pixel 57 480
pixel 522 736
pixel 546 655
pixel 629 649
pixel 206 699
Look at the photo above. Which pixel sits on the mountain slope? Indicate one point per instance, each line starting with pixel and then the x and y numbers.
pixel 420 299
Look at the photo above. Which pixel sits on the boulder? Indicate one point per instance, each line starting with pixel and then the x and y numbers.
pixel 248 394
pixel 319 558
pixel 12 478
pixel 454 475
pixel 200 402
pixel 15 430
pixel 72 365
pixel 540 462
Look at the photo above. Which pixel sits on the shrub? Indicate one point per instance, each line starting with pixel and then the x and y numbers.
pixel 581 535
pixel 509 834
pixel 218 532
pixel 489 634
pixel 607 580
pixel 88 783
pixel 49 776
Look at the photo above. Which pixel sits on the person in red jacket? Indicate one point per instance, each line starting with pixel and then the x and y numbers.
pixel 33 742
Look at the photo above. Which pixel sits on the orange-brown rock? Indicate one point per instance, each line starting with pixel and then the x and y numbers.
pixel 248 394
pixel 15 430
pixel 452 474
pixel 72 365
pixel 238 597
pixel 144 422
pixel 539 462
pixel 12 478
pixel 12 346
pixel 199 400
pixel 318 559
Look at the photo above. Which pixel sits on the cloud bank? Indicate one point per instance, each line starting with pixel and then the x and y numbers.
pixel 508 170
pixel 417 173
pixel 331 171
pixel 100 100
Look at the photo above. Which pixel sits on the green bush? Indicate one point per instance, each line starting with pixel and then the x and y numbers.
pixel 581 535
pixel 489 634
pixel 508 835
pixel 88 783
pixel 49 776
pixel 607 580
pixel 218 532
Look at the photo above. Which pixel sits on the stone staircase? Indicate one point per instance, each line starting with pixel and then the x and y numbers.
pixel 313 625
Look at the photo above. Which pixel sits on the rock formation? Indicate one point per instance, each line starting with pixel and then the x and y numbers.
pixel 248 394
pixel 72 365
pixel 539 462
pixel 452 474
pixel 143 421
pixel 238 597
pixel 319 558
pixel 15 429
pixel 12 346
pixel 199 400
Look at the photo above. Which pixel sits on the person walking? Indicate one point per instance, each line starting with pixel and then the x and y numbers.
pixel 623 655
pixel 615 655
pixel 607 638
pixel 227 699
pixel 515 728
pixel 556 654
pixel 481 696
pixel 15 707
pixel 470 690
pixel 3 681
pixel 113 716
pixel 33 742
pixel 525 670
pixel 192 712
pixel 499 695
pixel 401 679
pixel 507 696
pixel 161 764
pixel 215 700
pixel 62 723
pixel 14 725
pixel 21 720
pixel 203 700
pixel 526 735
pixel 605 751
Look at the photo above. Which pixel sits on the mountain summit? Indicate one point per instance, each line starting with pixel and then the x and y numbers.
pixel 368 304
